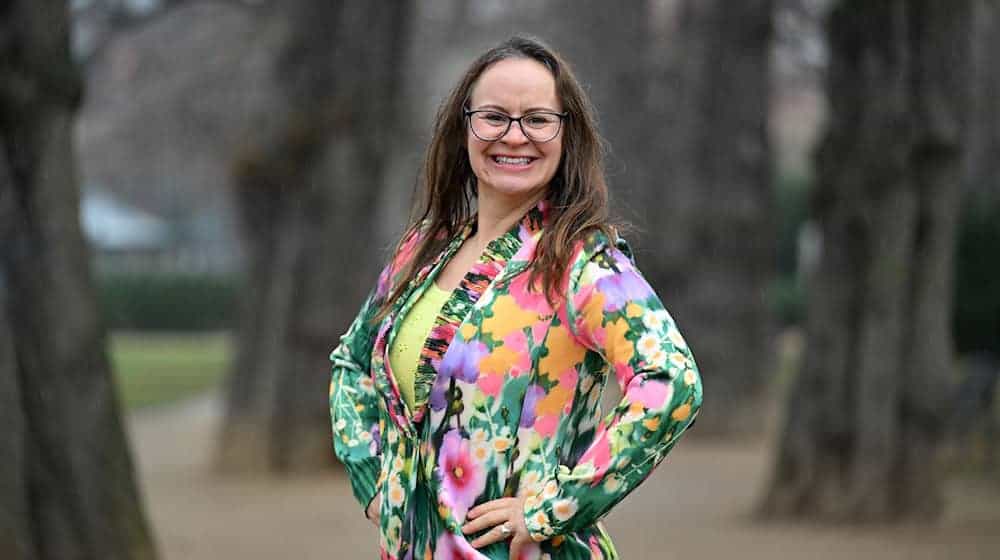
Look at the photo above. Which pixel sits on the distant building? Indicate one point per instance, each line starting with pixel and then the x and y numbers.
pixel 125 239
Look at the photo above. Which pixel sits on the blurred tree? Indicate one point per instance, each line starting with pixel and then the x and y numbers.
pixel 67 488
pixel 866 412
pixel 307 193
pixel 707 240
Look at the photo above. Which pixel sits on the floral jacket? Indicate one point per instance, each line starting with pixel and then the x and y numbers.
pixel 508 399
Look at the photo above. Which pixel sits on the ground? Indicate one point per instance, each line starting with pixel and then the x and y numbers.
pixel 696 505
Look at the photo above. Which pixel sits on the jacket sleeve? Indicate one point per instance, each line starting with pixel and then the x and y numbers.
pixel 613 311
pixel 353 401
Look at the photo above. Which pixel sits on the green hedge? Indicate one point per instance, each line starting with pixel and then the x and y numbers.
pixel 176 302
pixel 976 317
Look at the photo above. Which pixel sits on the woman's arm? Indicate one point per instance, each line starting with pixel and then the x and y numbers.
pixel 612 310
pixel 354 404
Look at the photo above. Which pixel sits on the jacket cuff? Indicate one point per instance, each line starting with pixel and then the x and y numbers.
pixel 538 512
pixel 364 476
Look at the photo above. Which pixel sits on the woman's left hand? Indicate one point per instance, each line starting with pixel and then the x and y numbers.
pixel 506 517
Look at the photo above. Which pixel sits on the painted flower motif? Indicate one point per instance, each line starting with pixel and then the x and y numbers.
pixel 657 359
pixel 534 394
pixel 654 319
pixel 460 362
pixel 621 288
pixel 564 509
pixel 528 296
pixel 675 337
pixel 462 478
pixel 454 547
pixel 648 343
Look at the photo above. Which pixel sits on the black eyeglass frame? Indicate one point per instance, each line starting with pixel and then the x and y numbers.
pixel 510 121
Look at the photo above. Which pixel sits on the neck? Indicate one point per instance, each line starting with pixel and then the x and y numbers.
pixel 496 215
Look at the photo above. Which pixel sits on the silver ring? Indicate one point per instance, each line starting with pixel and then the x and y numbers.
pixel 505 530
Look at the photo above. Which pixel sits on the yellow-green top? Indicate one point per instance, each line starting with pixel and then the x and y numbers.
pixel 404 354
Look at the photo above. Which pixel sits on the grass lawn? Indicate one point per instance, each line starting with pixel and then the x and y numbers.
pixel 157 368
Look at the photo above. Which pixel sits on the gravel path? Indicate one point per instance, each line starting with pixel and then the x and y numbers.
pixel 694 506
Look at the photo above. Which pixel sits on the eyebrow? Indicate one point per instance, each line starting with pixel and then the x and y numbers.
pixel 504 110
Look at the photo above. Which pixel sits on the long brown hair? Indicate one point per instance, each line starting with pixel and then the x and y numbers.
pixel 577 193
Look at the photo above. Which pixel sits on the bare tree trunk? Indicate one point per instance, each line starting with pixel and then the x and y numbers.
pixel 67 488
pixel 307 194
pixel 866 412
pixel 709 242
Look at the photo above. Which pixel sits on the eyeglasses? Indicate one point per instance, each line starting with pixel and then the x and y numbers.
pixel 538 126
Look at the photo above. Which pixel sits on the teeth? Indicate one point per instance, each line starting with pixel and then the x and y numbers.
pixel 512 160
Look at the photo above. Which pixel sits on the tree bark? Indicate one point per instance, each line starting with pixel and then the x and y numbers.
pixel 866 412
pixel 708 241
pixel 67 485
pixel 307 193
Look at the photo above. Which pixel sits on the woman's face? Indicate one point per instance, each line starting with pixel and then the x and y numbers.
pixel 514 86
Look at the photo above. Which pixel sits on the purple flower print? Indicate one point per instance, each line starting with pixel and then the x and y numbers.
pixel 461 362
pixel 619 289
pixel 534 394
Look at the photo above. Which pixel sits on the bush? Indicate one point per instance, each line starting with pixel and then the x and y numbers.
pixel 178 302
pixel 976 317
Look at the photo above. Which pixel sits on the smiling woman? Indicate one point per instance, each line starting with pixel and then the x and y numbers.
pixel 490 442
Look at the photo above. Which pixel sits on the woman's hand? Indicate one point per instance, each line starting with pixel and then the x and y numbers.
pixel 373 507
pixel 506 517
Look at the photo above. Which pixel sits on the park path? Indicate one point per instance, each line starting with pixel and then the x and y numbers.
pixel 694 506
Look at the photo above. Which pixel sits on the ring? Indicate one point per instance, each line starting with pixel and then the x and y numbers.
pixel 505 530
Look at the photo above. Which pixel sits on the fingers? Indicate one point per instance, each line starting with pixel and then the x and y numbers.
pixel 493 536
pixel 516 544
pixel 492 505
pixel 488 519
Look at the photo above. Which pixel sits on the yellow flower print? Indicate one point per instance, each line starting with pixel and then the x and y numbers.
pixel 678 359
pixel 501 444
pixel 481 452
pixel 657 359
pixel 396 493
pixel 612 483
pixel 564 509
pixel 550 490
pixel 619 349
pixel 690 377
pixel 633 310
pixel 652 424
pixel 647 345
pixel 681 413
pixel 507 317
pixel 564 352
pixel 467 331
pixel 675 337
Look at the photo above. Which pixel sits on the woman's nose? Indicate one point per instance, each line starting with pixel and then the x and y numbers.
pixel 515 134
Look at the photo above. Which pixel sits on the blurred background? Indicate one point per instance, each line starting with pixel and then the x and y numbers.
pixel 195 196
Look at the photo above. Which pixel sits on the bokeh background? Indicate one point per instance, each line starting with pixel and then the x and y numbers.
pixel 195 196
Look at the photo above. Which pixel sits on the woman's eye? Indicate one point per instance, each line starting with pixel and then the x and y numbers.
pixel 539 120
pixel 494 118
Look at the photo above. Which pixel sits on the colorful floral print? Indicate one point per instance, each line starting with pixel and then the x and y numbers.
pixel 508 399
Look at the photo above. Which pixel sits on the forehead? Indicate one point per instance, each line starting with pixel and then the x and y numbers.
pixel 516 84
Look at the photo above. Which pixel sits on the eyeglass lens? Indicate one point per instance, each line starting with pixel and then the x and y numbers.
pixel 489 125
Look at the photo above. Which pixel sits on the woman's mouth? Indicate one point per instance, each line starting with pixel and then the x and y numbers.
pixel 512 162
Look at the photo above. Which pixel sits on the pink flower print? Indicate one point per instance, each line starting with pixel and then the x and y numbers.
pixel 528 296
pixel 621 288
pixel 454 547
pixel 517 343
pixel 490 384
pixel 652 394
pixel 462 479
pixel 598 454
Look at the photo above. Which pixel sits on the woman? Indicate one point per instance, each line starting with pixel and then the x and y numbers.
pixel 465 395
